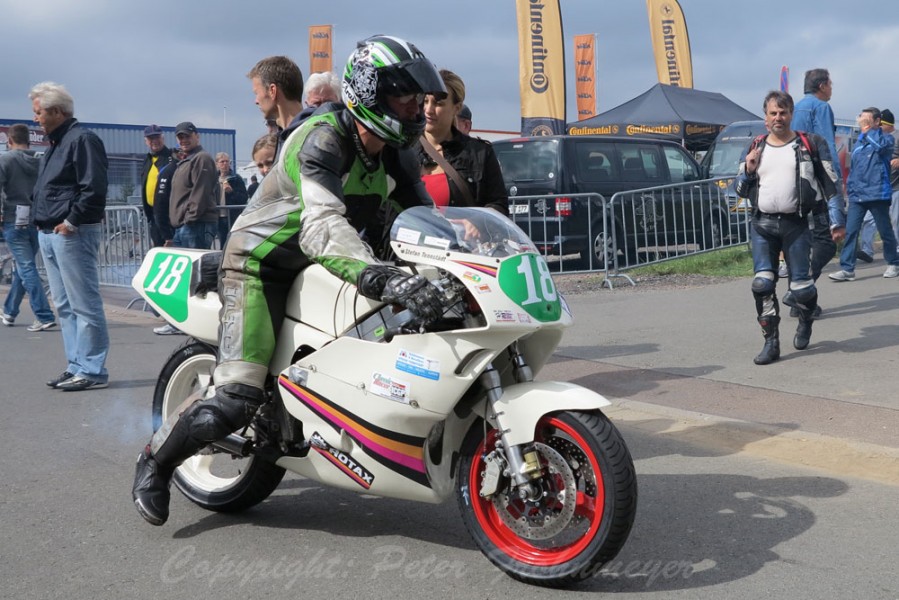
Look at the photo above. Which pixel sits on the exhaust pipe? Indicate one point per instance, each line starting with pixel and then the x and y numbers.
pixel 234 444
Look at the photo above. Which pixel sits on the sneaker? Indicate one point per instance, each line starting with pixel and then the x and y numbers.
pixel 782 270
pixel 79 383
pixel 7 320
pixel 64 376
pixel 38 326
pixel 842 276
pixel 167 329
pixel 892 271
pixel 862 255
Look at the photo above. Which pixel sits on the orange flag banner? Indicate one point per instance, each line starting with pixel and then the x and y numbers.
pixel 585 75
pixel 541 67
pixel 670 43
pixel 319 48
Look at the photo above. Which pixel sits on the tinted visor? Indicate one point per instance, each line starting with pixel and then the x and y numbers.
pixel 417 76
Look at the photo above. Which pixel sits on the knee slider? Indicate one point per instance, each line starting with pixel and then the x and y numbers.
pixel 806 295
pixel 231 408
pixel 762 286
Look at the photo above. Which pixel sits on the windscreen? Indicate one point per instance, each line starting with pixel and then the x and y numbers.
pixel 479 231
pixel 529 161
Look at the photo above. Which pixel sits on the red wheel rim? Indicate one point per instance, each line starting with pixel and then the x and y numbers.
pixel 590 507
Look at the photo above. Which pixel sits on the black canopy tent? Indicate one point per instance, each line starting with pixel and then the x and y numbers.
pixel 689 116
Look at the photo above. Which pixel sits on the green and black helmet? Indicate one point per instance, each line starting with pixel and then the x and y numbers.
pixel 383 66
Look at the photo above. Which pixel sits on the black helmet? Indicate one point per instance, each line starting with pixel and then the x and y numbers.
pixel 383 66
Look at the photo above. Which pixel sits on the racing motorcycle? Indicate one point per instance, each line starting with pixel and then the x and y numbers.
pixel 366 397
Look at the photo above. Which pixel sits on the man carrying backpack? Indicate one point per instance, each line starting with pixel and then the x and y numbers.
pixel 786 175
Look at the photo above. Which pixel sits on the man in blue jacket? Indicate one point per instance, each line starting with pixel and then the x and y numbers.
pixel 869 189
pixel 69 203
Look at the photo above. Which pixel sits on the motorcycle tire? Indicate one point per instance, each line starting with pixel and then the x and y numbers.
pixel 214 480
pixel 585 513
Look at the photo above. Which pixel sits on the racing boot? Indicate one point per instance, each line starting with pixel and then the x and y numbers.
pixel 771 350
pixel 804 329
pixel 183 435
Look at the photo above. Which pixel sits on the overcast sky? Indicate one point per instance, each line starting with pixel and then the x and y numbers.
pixel 166 61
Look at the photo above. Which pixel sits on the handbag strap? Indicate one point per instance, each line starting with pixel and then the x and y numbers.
pixel 449 170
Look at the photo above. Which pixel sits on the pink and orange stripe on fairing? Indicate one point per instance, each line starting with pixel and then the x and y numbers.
pixel 478 267
pixel 408 455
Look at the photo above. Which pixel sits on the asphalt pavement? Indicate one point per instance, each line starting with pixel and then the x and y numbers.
pixel 754 481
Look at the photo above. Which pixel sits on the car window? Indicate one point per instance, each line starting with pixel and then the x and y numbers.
pixel 640 163
pixel 528 161
pixel 679 165
pixel 596 161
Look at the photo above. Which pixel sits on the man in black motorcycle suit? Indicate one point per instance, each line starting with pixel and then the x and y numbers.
pixel 332 181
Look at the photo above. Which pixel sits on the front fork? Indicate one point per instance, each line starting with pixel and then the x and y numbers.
pixel 521 463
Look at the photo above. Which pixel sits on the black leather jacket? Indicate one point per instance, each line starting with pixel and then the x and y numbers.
pixel 476 162
pixel 72 178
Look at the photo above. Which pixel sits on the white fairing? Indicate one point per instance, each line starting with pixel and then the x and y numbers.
pixel 386 417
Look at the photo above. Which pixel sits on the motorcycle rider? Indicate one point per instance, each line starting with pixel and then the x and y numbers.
pixel 328 189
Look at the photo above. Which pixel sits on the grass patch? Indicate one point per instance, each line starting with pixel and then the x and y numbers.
pixel 728 262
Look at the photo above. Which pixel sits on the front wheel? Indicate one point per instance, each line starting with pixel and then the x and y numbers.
pixel 584 513
pixel 212 479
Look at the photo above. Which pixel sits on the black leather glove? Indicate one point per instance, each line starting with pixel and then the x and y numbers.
pixel 396 287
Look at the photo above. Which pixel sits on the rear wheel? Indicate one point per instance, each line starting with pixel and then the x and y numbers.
pixel 713 230
pixel 600 250
pixel 213 479
pixel 583 516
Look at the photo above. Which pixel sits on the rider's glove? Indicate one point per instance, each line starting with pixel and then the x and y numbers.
pixel 396 287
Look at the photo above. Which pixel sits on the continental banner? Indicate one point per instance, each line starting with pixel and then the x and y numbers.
pixel 670 43
pixel 319 48
pixel 585 75
pixel 541 60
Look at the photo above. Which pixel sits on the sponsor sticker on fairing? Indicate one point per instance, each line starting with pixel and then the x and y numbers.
pixel 409 236
pixel 342 461
pixel 418 364
pixel 386 386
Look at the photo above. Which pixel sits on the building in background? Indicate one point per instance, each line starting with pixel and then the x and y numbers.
pixel 126 149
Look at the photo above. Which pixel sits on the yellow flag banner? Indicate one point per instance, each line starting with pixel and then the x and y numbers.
pixel 585 75
pixel 541 67
pixel 670 43
pixel 319 48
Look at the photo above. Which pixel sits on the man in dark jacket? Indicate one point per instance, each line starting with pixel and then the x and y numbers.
pixel 233 192
pixel 69 202
pixel 18 172
pixel 155 160
pixel 193 204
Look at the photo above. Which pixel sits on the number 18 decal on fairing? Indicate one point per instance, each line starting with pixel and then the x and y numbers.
pixel 168 284
pixel 526 280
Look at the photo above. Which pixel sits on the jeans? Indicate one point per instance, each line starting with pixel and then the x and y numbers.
pixel 880 209
pixel 198 234
pixel 866 235
pixel 773 234
pixel 23 244
pixel 71 262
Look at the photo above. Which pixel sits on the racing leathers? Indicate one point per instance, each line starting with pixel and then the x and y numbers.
pixel 325 201
pixel 785 227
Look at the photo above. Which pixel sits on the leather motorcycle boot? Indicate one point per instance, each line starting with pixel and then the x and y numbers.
pixel 151 488
pixel 231 408
pixel 771 350
pixel 804 329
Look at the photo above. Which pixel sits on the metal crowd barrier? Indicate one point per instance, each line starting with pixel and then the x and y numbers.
pixel 126 240
pixel 588 232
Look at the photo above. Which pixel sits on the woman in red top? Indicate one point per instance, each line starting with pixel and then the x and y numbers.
pixel 472 159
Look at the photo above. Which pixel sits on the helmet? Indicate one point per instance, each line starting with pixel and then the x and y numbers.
pixel 383 66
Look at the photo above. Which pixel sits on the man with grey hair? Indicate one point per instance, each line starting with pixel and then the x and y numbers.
pixel 321 88
pixel 68 205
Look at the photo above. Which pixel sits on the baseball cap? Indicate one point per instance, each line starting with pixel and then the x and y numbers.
pixel 152 130
pixel 465 113
pixel 886 117
pixel 185 127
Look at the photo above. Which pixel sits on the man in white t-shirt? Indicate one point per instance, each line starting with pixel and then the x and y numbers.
pixel 795 176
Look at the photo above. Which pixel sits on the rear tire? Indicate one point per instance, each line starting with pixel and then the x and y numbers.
pixel 601 249
pixel 212 479
pixel 713 230
pixel 584 516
